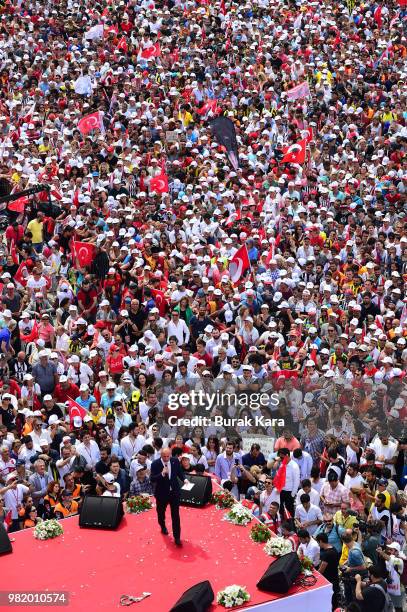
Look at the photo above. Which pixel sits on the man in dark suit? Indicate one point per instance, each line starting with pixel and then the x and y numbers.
pixel 164 475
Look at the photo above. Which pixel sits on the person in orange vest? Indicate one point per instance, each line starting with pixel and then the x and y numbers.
pixel 66 507
pixel 31 518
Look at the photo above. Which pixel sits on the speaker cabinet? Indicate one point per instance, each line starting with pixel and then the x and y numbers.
pixel 280 575
pixel 196 599
pixel 5 544
pixel 200 494
pixel 101 512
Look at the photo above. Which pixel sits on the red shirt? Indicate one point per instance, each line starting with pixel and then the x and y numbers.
pixel 115 364
pixel 14 235
pixel 206 358
pixel 62 395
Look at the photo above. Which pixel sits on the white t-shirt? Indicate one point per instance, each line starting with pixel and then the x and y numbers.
pixel 312 514
pixel 310 550
pixel 313 497
pixel 13 498
pixel 266 499
pixel 354 481
pixel 384 450
pixel 36 285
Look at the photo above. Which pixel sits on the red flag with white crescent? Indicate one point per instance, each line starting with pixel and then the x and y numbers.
pixel 309 134
pixel 21 276
pixel 91 122
pixel 84 253
pixel 8 519
pixel 122 45
pixel 377 16
pixel 151 51
pixel 75 409
pixel 160 301
pixel 239 263
pixel 159 184
pixel 295 154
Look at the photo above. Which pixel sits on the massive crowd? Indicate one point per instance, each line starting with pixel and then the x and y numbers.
pixel 117 291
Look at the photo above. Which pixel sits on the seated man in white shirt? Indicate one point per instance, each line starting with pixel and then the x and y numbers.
pixel 307 516
pixel 306 487
pixel 308 547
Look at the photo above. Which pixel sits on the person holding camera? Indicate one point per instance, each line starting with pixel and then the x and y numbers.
pixel 394 559
pixel 372 594
pixel 354 563
pixel 332 531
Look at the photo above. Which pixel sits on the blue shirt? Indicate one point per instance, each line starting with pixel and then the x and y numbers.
pixel 355 557
pixel 85 403
pixel 248 460
pixel 223 466
pixel 5 336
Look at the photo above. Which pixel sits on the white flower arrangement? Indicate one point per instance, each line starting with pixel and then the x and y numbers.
pixel 239 515
pixel 277 547
pixel 48 529
pixel 232 596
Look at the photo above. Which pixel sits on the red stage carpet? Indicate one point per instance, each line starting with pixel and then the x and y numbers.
pixel 98 566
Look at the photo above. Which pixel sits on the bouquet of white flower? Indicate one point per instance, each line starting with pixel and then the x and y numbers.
pixel 277 547
pixel 232 596
pixel 48 529
pixel 239 515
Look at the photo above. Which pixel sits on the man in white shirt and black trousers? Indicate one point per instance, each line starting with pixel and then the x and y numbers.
pixel 166 474
pixel 292 482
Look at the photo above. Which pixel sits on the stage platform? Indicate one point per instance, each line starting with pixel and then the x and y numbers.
pixel 96 567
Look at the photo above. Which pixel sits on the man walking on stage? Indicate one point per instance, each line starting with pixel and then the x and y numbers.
pixel 165 473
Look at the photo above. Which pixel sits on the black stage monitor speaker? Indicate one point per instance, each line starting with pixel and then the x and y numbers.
pixel 197 599
pixel 200 493
pixel 5 544
pixel 101 512
pixel 280 575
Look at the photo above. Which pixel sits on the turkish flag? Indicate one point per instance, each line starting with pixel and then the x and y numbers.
pixel 90 122
pixel 239 263
pixel 160 301
pixel 13 252
pixel 8 519
pixel 28 114
pixel 75 409
pixel 159 184
pixel 19 205
pixel 151 51
pixel 84 253
pixel 272 249
pixel 21 276
pixel 56 194
pixel 295 154
pixel 377 16
pixel 122 45
pixel 33 335
pixel 279 478
pixel 309 134
pixel 210 106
